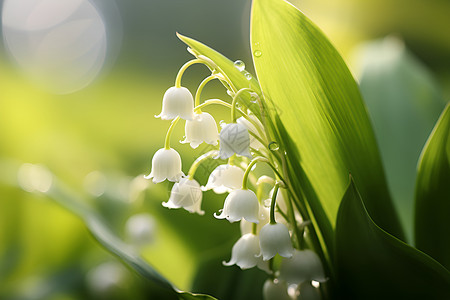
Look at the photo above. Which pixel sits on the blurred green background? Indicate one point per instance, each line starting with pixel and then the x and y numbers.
pixel 109 128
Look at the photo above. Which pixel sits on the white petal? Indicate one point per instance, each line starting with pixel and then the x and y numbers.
pixel 277 290
pixel 166 164
pixel 241 204
pixel 225 178
pixel 308 292
pixel 275 238
pixel 202 128
pixel 234 138
pixel 177 102
pixel 186 194
pixel 244 252
pixel 305 265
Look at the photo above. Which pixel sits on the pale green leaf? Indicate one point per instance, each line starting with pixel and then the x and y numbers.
pixel 372 264
pixel 402 98
pixel 432 211
pixel 319 104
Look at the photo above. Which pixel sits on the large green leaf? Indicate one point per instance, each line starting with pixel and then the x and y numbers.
pixel 320 106
pixel 432 230
pixel 102 232
pixel 372 264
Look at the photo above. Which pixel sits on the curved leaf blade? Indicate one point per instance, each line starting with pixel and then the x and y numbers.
pixel 113 244
pixel 322 111
pixel 432 210
pixel 225 65
pixel 372 264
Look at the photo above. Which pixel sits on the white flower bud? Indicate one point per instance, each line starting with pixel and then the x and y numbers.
pixel 244 252
pixel 177 102
pixel 140 229
pixel 254 143
pixel 225 178
pixel 305 265
pixel 308 292
pixel 275 290
pixel 273 239
pixel 166 164
pixel 240 204
pixel 186 194
pixel 202 128
pixel 234 138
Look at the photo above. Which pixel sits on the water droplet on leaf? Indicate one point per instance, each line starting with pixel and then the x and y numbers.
pixel 247 75
pixel 257 53
pixel 273 146
pixel 240 65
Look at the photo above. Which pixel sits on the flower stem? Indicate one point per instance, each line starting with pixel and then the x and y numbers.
pixel 233 104
pixel 169 133
pixel 198 161
pixel 199 91
pixel 184 67
pixel 273 202
pixel 249 168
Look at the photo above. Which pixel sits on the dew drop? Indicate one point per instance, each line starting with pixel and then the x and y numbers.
pixel 240 65
pixel 247 75
pixel 273 146
pixel 230 93
pixel 257 53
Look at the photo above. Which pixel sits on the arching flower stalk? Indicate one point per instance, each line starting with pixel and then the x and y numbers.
pixel 245 137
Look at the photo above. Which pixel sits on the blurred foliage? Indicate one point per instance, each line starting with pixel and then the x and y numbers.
pixel 45 251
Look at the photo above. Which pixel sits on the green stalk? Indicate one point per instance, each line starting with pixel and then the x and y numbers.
pixel 169 133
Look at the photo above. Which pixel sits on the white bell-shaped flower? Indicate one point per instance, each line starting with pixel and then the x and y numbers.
pixel 186 194
pixel 240 204
pixel 275 290
pixel 304 265
pixel 166 164
pixel 244 252
pixel 202 128
pixel 234 138
pixel 254 143
pixel 225 178
pixel 177 102
pixel 308 291
pixel 273 239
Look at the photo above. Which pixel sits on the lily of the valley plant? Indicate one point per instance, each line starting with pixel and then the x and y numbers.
pixel 328 228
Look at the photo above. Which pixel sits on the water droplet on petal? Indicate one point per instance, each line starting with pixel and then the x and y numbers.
pixel 240 65
pixel 273 146
pixel 257 53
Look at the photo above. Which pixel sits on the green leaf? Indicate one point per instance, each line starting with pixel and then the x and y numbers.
pixel 372 264
pixel 432 231
pixel 402 97
pixel 320 106
pixel 102 232
pixel 225 65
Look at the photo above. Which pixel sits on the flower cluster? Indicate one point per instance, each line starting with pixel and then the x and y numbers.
pixel 270 224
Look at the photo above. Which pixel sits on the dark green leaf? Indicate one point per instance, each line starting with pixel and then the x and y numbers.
pixel 372 264
pixel 432 229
